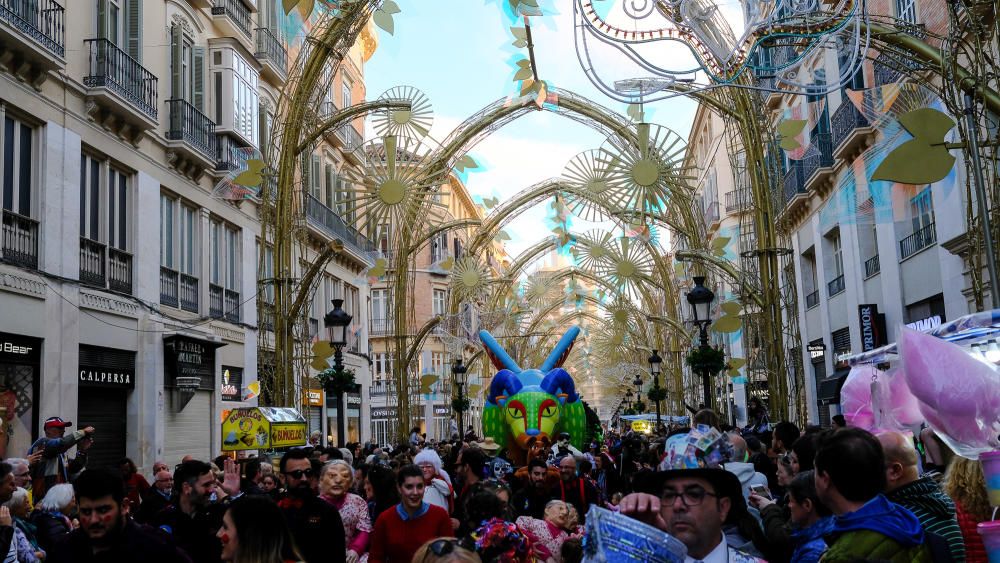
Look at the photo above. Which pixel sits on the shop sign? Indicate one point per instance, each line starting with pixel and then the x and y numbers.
pixel 312 397
pixel 190 357
pixel 106 367
pixel 255 428
pixel 816 351
pixel 353 400
pixel 643 426
pixel 96 377
pixel 232 383
pixel 16 348
pixel 385 412
pixel 442 410
pixel 924 325
pixel 872 327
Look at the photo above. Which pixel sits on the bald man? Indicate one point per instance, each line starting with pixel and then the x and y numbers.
pixel 922 496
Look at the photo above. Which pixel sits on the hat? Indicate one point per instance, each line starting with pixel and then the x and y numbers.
pixel 725 483
pixel 489 445
pixel 56 422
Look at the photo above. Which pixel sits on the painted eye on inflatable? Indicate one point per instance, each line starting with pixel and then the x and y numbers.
pixel 515 412
pixel 549 411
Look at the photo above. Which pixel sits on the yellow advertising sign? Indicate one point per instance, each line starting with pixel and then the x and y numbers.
pixel 643 426
pixel 312 397
pixel 262 428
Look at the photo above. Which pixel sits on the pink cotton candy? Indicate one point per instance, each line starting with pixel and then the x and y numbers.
pixel 958 395
pixel 902 406
pixel 856 397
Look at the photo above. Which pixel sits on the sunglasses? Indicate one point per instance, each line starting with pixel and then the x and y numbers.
pixel 299 473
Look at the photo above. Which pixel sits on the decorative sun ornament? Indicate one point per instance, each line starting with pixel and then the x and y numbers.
pixel 393 190
pixel 592 249
pixel 621 314
pixel 627 267
pixel 644 178
pixel 613 345
pixel 589 187
pixel 470 280
pixel 541 288
pixel 415 122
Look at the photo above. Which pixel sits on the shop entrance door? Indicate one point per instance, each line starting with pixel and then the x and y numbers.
pixel 105 410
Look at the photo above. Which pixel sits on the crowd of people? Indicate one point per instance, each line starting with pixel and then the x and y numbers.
pixel 770 493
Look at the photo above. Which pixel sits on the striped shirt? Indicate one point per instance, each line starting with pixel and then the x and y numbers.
pixel 934 509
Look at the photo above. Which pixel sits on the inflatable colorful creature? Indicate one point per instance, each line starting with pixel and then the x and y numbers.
pixel 532 403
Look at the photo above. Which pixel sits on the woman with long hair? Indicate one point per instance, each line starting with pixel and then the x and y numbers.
pixel 380 490
pixel 965 484
pixel 254 531
pixel 335 480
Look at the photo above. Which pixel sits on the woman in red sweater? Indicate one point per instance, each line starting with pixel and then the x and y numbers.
pixel 965 484
pixel 401 530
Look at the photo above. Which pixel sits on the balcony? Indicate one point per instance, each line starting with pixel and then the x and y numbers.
pixel 849 130
pixel 93 262
pixel 872 266
pixel 226 161
pixel 794 182
pixel 328 221
pixel 817 167
pixel 381 327
pixel 123 91
pixel 921 238
pixel 835 286
pixel 19 243
pixel 711 214
pixel 223 303
pixel 178 290
pixel 233 17
pixel 191 138
pixel 738 201
pixel 33 36
pixel 272 55
pixel 812 299
pixel 349 139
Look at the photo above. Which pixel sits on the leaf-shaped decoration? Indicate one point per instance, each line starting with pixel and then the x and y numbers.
pixel 289 5
pixel 787 130
pixel 522 74
pixel 635 112
pixel 731 308
pixel 390 7
pixel 447 264
pixel 474 389
pixel 426 381
pixel 530 86
pixel 734 366
pixel 924 159
pixel 502 236
pixel 520 37
pixel 378 270
pixel 465 163
pixel 490 202
pixel 680 270
pixel 728 323
pixel 384 21
pixel 305 8
pixel 719 243
pixel 251 177
pixel 321 354
pixel 542 96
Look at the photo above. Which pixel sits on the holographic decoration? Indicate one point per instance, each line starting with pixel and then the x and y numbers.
pixel 247 177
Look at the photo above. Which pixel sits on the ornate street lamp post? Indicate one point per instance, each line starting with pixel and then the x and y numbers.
pixel 458 376
pixel 700 298
pixel 654 368
pixel 336 322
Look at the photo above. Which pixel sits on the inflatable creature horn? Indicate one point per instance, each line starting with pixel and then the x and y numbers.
pixel 498 356
pixel 559 381
pixel 561 351
pixel 505 384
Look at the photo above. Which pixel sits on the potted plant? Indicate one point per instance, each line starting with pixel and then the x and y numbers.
pixel 460 405
pixel 336 382
pixel 710 359
pixel 657 394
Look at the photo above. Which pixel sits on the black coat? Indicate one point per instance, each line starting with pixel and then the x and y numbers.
pixel 49 528
pixel 316 527
pixel 136 543
pixel 151 505
pixel 195 535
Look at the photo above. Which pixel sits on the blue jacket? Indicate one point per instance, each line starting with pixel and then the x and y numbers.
pixel 809 542
pixel 878 530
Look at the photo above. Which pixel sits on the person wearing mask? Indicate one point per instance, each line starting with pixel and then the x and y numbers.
pixel 335 482
pixel 136 486
pixel 532 498
pixel 106 533
pixel 437 483
pixel 692 505
pixel 51 517
pixel 965 483
pixel 157 498
pixel 28 550
pixel 921 495
pixel 412 523
pixel 573 489
pixel 253 530
pixel 316 525
pixel 850 478
pixel 192 518
pixel 54 467
pixel 549 533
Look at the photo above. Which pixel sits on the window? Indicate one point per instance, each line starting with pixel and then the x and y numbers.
pixel 922 209
pixel 380 308
pixel 383 365
pixel 351 305
pixel 104 203
pixel 235 79
pixel 187 69
pixel 438 301
pixel 345 94
pixel 18 150
pixel 439 247
pixel 437 363
pixel 344 206
pixel 329 186
pixel 120 21
pixel 178 235
pixel 267 272
pixel 225 259
pixel 906 10
pixel 836 253
pixel 312 179
pixel 383 234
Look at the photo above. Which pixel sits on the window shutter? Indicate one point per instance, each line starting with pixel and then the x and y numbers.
pixel 102 19
pixel 306 182
pixel 328 177
pixel 133 31
pixel 176 54
pixel 198 80
pixel 265 134
pixel 315 176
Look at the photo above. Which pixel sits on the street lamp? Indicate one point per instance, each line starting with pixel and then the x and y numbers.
pixel 701 299
pixel 336 322
pixel 654 368
pixel 458 376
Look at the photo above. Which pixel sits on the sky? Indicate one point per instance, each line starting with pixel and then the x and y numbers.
pixel 459 53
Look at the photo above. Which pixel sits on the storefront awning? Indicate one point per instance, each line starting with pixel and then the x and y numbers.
pixel 828 390
pixel 263 428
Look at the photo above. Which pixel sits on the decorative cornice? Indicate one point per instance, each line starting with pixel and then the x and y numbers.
pixel 108 303
pixel 23 284
pixel 227 333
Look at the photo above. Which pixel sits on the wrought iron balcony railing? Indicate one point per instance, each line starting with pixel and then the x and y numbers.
pixel 20 240
pixel 93 261
pixel 236 11
pixel 872 266
pixel 919 240
pixel 270 49
pixel 350 137
pixel 845 120
pixel 821 156
pixel 168 286
pixel 737 200
pixel 41 20
pixel 381 327
pixel 835 286
pixel 223 303
pixel 178 290
pixel 794 182
pixel 812 299
pixel 333 224
pixel 193 127
pixel 114 69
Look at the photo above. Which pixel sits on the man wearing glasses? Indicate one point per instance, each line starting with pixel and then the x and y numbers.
pixel 693 506
pixel 315 524
pixel 157 498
